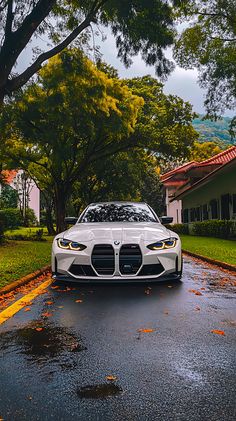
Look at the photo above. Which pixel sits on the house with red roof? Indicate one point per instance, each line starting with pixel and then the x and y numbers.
pixel 26 187
pixel 199 191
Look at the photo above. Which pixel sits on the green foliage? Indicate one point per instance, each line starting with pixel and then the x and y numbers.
pixel 11 218
pixel 30 218
pixel 8 197
pixel 209 44
pixel 138 26
pixel 214 131
pixel 181 229
pixel 71 117
pixel 201 151
pixel 164 123
pixel 214 228
pixel 2 228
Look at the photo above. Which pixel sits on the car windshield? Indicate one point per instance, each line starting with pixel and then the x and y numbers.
pixel 114 212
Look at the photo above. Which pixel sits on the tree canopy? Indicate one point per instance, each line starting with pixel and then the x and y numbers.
pixel 209 44
pixel 138 26
pixel 74 118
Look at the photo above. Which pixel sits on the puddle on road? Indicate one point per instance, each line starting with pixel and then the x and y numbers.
pixel 44 345
pixel 99 391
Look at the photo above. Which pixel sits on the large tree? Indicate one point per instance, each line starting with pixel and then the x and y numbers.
pixel 138 26
pixel 73 115
pixel 209 44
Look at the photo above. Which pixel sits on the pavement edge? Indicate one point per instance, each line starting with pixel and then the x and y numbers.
pixel 218 263
pixel 25 279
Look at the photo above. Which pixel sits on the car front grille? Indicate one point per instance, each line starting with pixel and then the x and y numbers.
pixel 103 259
pixel 130 259
pixel 83 270
pixel 153 269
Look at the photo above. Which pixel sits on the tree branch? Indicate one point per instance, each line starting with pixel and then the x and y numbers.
pixel 9 20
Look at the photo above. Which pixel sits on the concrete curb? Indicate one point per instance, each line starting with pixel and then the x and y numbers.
pixel 24 280
pixel 222 265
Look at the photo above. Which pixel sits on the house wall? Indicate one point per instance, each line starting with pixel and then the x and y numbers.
pixel 174 208
pixel 34 201
pixel 201 199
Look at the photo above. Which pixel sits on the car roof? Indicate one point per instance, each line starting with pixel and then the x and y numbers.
pixel 117 202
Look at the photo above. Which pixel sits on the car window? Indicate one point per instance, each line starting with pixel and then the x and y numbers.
pixel 113 212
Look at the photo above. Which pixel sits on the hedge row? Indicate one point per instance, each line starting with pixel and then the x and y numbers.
pixel 214 228
pixel 12 218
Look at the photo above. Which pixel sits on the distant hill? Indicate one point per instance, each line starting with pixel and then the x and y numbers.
pixel 213 131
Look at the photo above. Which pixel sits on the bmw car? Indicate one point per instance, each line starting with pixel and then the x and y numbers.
pixel 117 241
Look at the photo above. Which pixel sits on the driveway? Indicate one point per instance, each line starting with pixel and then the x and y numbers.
pixel 168 351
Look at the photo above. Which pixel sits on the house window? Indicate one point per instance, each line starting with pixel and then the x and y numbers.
pixel 225 201
pixel 214 209
pixel 197 214
pixel 204 212
pixel 185 215
pixel 234 202
pixel 192 215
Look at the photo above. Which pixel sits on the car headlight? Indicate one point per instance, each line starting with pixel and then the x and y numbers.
pixel 70 245
pixel 163 244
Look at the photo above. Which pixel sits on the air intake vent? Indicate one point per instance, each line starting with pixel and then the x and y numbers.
pixel 103 259
pixel 130 259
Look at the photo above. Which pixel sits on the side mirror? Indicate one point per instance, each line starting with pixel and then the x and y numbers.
pixel 165 220
pixel 71 220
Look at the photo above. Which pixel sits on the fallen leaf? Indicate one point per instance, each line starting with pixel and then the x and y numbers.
pixel 203 289
pixel 60 306
pixel 147 291
pixel 78 301
pixel 49 303
pixel 197 308
pixel 38 329
pixel 111 378
pixel 166 312
pixel 146 330
pixel 169 286
pixel 46 314
pixel 27 309
pixel 194 291
pixel 55 286
pixel 218 332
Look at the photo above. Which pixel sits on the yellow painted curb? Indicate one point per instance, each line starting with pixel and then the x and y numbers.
pixel 22 302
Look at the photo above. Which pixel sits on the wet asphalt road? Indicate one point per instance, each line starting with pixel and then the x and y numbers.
pixel 178 370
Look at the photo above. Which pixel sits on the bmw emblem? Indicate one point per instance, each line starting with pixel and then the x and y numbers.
pixel 116 243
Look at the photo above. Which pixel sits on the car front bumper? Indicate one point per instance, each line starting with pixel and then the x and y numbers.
pixel 79 266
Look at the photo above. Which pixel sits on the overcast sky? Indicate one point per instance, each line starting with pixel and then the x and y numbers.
pixel 181 82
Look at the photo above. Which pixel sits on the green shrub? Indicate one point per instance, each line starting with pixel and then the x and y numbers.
pixel 214 228
pixel 11 218
pixel 2 229
pixel 179 228
pixel 30 218
pixel 27 236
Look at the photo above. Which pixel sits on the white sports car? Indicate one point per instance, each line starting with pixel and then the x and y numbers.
pixel 117 241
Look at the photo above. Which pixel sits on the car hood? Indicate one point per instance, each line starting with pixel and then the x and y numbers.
pixel 112 231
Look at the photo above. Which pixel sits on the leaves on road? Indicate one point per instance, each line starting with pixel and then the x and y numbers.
pixel 27 309
pixel 146 330
pixel 218 332
pixel 111 378
pixel 49 303
pixel 46 314
pixel 195 291
pixel 78 301
pixel 38 329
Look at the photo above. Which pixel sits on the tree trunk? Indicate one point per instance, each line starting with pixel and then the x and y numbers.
pixel 49 221
pixel 61 197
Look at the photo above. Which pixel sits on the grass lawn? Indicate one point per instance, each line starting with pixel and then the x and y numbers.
pixel 26 231
pixel 214 248
pixel 19 258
